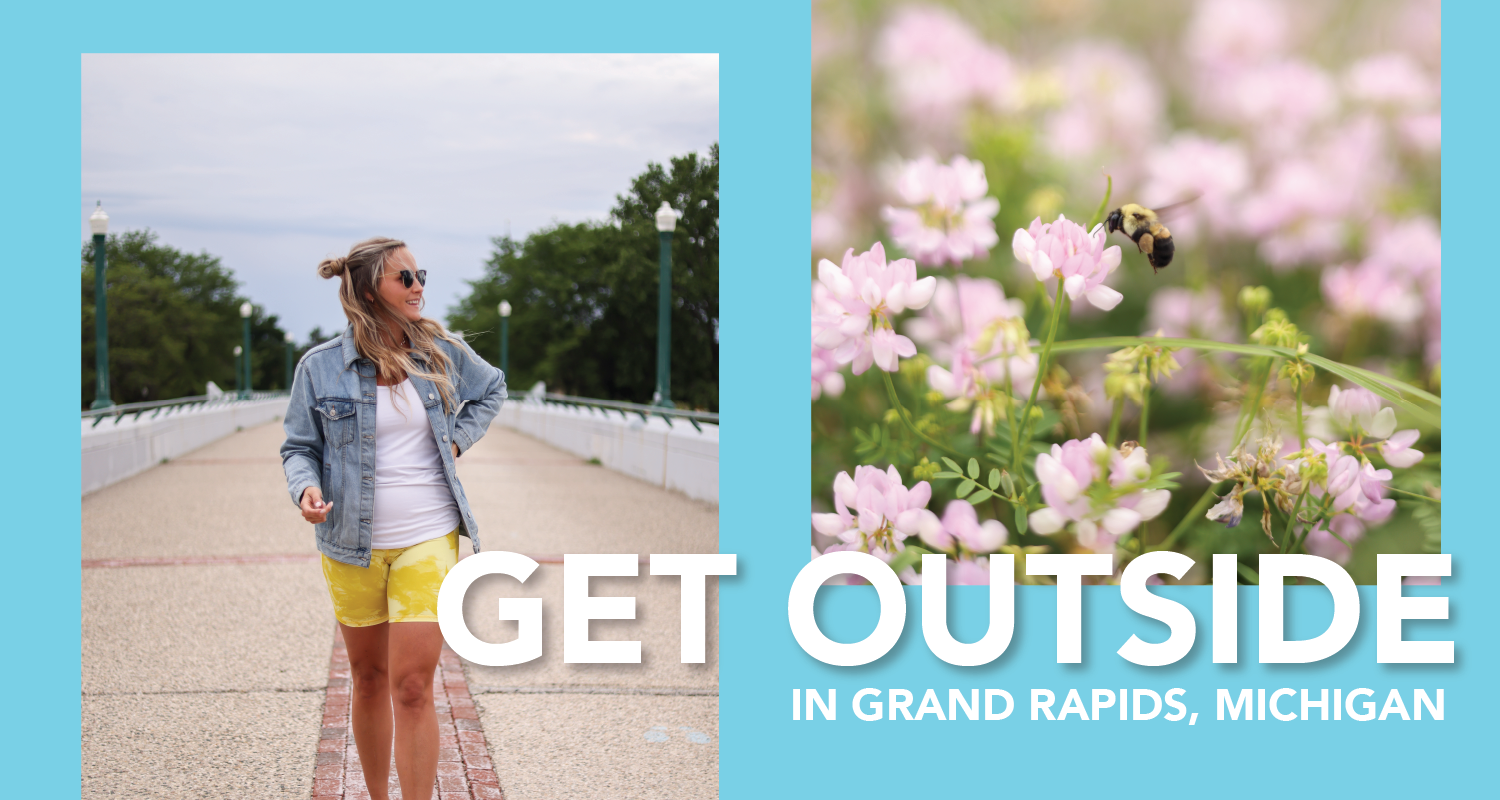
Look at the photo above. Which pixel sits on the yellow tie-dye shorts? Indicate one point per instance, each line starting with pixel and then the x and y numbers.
pixel 400 585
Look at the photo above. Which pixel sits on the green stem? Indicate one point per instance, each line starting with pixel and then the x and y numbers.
pixel 1249 412
pixel 890 388
pixel 1414 494
pixel 1114 421
pixel 1187 521
pixel 1301 437
pixel 1109 188
pixel 1018 448
pixel 1145 414
pixel 1286 538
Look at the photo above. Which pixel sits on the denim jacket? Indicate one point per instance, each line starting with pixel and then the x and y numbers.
pixel 330 436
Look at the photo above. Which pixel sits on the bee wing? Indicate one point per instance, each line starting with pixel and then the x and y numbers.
pixel 1167 211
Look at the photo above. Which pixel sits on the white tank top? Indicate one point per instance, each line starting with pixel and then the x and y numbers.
pixel 412 500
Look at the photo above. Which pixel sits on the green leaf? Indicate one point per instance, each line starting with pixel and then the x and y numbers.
pixel 965 487
pixel 980 495
pixel 974 468
pixel 948 475
pixel 1020 519
pixel 953 465
pixel 1249 574
pixel 994 479
pixel 1399 393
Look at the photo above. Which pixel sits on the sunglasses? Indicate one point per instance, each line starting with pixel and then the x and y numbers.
pixel 407 277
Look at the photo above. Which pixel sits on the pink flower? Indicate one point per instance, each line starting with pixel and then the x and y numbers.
pixel 1412 247
pixel 876 512
pixel 1193 166
pixel 1370 291
pixel 969 572
pixel 1392 79
pixel 964 325
pixel 1063 249
pixel 1322 543
pixel 1301 212
pixel 938 66
pixel 825 367
pixel 1236 32
pixel 1111 107
pixel 1422 132
pixel 959 315
pixel 1397 450
pixel 950 219
pixel 1067 475
pixel 966 570
pixel 863 295
pixel 961 524
pixel 1360 411
pixel 826 378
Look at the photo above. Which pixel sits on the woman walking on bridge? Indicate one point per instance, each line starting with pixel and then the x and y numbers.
pixel 375 422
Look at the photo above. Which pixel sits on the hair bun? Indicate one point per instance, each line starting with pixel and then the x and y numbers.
pixel 332 267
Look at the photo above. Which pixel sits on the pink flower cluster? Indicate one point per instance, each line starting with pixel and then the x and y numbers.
pixel 1398 283
pixel 949 218
pixel 1110 107
pixel 961 535
pixel 1357 487
pixel 854 319
pixel 826 377
pixel 1064 250
pixel 960 327
pixel 875 512
pixel 1070 476
pixel 938 67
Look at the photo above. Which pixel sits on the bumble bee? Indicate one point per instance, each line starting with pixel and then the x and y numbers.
pixel 1144 227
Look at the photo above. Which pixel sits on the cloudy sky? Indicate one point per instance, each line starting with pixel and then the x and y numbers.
pixel 273 162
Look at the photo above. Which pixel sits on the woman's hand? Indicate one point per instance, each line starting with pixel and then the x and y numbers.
pixel 314 510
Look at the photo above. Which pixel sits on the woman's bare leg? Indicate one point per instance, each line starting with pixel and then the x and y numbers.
pixel 370 717
pixel 414 651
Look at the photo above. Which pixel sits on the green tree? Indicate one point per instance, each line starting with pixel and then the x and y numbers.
pixel 173 323
pixel 584 297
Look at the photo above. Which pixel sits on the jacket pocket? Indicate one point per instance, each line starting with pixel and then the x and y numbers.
pixel 339 421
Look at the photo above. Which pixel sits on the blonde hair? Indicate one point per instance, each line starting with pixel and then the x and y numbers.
pixel 360 274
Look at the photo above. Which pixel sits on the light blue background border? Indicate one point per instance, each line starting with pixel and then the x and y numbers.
pixel 765 136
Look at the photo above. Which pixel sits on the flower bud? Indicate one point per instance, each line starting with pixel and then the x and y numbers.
pixel 1254 300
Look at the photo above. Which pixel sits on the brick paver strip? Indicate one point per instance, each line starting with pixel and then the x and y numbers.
pixel 465 771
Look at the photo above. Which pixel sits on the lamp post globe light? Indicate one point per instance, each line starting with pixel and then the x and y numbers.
pixel 666 222
pixel 239 373
pixel 99 226
pixel 245 310
pixel 505 337
pixel 291 344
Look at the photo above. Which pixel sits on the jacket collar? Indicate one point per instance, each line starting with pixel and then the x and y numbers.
pixel 351 353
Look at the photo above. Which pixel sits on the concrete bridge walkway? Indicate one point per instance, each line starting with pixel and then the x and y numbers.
pixel 211 666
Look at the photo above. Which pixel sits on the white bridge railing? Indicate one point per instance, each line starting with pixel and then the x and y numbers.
pixel 121 441
pixel 674 449
pixel 671 448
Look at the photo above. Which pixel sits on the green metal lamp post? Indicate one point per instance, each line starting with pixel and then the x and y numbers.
pixel 291 344
pixel 99 226
pixel 239 372
pixel 245 310
pixel 505 337
pixel 666 222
